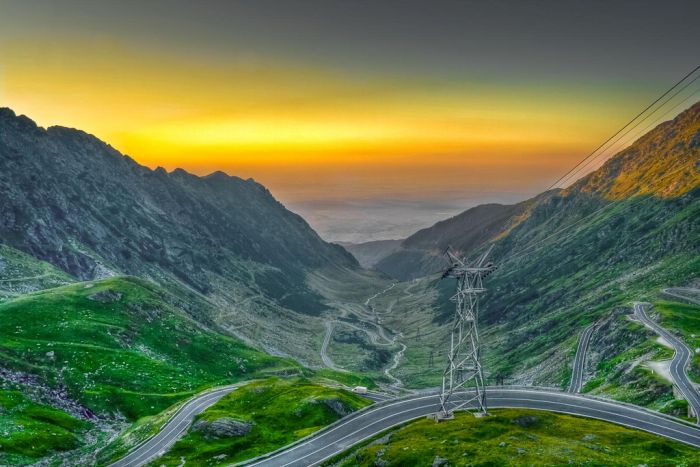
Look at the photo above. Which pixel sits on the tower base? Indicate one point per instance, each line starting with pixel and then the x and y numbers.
pixel 441 416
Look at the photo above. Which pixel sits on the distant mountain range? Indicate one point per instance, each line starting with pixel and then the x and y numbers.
pixel 217 256
pixel 242 263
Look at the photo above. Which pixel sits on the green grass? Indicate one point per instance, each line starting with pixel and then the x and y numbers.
pixel 30 431
pixel 683 318
pixel 518 437
pixel 281 411
pixel 346 378
pixel 133 353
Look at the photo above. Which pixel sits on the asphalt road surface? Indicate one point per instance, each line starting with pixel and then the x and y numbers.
pixel 365 424
pixel 324 347
pixel 580 359
pixel 680 361
pixel 684 293
pixel 173 430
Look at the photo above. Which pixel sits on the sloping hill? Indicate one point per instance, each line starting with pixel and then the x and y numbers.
pixel 422 253
pixel 619 234
pixel 663 163
pixel 21 273
pixel 120 346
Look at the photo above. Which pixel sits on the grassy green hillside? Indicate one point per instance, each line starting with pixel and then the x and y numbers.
pixel 623 372
pixel 537 305
pixel 30 430
pixel 119 346
pixel 277 412
pixel 518 437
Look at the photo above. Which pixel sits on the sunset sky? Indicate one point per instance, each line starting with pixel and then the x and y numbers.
pixel 371 119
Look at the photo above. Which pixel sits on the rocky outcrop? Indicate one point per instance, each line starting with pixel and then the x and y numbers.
pixel 337 406
pixel 225 427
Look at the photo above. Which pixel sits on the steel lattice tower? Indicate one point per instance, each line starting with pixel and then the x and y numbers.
pixel 464 372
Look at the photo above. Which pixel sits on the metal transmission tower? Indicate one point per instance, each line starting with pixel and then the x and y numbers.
pixel 464 370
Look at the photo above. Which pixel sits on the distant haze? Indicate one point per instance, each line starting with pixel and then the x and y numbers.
pixel 363 220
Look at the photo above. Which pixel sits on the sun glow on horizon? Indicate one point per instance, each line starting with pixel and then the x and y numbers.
pixel 257 116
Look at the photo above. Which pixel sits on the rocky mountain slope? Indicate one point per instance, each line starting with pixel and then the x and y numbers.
pixel 77 203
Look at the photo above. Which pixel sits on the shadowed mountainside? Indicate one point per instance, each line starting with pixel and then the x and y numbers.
pixel 78 203
pixel 237 258
pixel 422 253
pixel 369 254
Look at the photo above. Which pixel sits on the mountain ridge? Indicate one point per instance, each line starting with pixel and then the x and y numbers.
pixel 633 171
pixel 63 144
pixel 224 244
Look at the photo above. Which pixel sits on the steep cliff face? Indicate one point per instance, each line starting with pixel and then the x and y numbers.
pixel 74 201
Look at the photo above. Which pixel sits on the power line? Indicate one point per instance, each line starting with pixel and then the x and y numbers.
pixel 578 165
pixel 637 124
pixel 581 167
pixel 530 250
pixel 623 128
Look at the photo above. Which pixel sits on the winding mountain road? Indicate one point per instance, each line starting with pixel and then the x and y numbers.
pixel 580 360
pixel 324 347
pixel 174 428
pixel 390 412
pixel 679 363
pixel 368 319
pixel 684 293
pixel 369 422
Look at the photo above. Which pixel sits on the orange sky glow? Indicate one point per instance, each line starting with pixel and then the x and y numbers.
pixel 268 119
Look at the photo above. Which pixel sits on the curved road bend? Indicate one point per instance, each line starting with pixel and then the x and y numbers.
pixel 685 293
pixel 374 420
pixel 324 348
pixel 580 360
pixel 679 363
pixel 174 428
